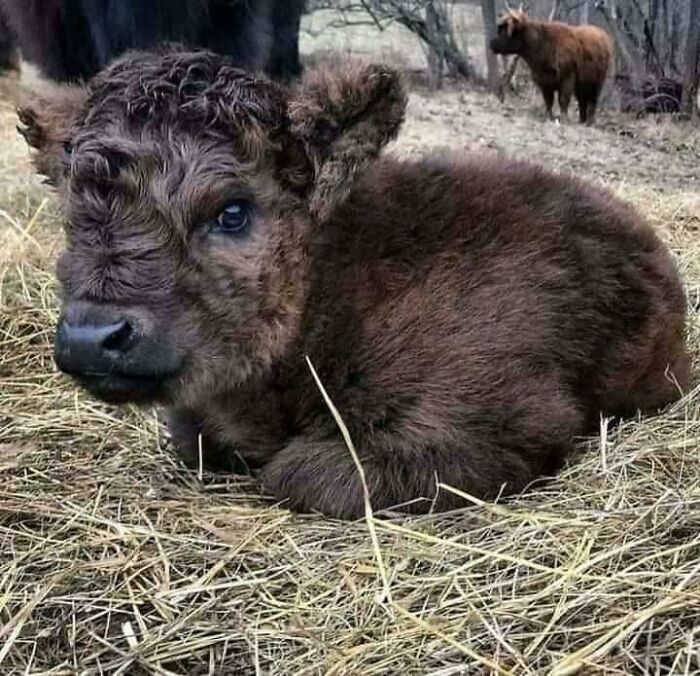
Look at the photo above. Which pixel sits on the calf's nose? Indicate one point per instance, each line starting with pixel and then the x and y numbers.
pixel 92 349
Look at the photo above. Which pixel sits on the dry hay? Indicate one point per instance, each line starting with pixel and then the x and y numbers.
pixel 114 559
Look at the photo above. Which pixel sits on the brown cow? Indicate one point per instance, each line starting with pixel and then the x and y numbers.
pixel 470 318
pixel 568 60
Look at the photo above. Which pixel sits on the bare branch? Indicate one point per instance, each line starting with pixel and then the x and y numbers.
pixel 428 20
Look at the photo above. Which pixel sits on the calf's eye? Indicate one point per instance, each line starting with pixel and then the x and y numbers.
pixel 234 219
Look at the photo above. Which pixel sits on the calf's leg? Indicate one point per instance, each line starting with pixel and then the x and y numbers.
pixel 498 451
pixel 191 442
pixel 322 476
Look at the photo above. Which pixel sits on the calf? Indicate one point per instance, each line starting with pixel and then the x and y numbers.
pixel 567 60
pixel 470 318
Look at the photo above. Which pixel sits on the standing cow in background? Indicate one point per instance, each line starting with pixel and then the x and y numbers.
pixel 72 40
pixel 568 60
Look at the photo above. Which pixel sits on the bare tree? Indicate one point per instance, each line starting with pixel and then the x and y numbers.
pixel 692 60
pixel 621 41
pixel 434 46
pixel 584 16
pixel 428 20
pixel 488 13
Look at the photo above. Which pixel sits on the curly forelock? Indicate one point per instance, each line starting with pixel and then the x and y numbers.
pixel 183 89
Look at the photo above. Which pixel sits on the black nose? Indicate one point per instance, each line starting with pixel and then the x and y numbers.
pixel 92 349
pixel 118 354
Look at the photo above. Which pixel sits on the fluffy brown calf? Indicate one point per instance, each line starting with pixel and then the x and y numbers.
pixel 567 60
pixel 469 318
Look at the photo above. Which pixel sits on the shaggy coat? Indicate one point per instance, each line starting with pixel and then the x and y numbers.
pixel 566 60
pixel 74 39
pixel 470 318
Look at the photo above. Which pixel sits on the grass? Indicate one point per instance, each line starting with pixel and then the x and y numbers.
pixel 115 559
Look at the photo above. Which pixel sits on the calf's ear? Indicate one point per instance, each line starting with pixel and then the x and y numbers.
pixel 45 122
pixel 344 114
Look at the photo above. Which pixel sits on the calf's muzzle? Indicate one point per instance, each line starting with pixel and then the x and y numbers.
pixel 116 354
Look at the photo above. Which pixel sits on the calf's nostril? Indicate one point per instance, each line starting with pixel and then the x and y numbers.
pixel 118 337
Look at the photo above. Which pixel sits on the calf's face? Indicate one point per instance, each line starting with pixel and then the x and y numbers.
pixel 191 191
pixel 173 268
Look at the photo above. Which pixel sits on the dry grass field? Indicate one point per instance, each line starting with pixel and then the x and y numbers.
pixel 114 559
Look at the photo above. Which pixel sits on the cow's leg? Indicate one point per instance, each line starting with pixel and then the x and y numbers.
pixel 584 96
pixel 251 22
pixel 592 105
pixel 548 95
pixel 8 52
pixel 582 108
pixel 284 61
pixel 566 91
pixel 55 36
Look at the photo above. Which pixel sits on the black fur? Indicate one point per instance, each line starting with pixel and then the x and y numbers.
pixel 54 35
pixel 8 55
pixel 74 39
pixel 284 54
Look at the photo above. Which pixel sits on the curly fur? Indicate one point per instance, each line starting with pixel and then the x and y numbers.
pixel 566 60
pixel 470 317
pixel 343 126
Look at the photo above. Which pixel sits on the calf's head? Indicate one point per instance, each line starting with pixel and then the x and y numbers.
pixel 510 35
pixel 192 191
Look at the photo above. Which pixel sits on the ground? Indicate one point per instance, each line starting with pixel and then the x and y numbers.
pixel 115 559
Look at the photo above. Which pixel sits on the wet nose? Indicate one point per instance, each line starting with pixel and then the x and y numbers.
pixel 92 349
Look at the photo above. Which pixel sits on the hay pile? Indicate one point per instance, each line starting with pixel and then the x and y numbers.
pixel 114 559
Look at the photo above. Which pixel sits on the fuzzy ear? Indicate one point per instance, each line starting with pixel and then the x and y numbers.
pixel 344 114
pixel 45 122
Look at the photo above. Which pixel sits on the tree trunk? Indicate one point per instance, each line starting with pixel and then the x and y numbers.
pixel 554 12
pixel 488 13
pixel 436 59
pixel 620 39
pixel 675 36
pixel 427 20
pixel 665 34
pixel 692 61
pixel 584 11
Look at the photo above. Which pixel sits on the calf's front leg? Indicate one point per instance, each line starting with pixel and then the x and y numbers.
pixel 320 475
pixel 193 446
